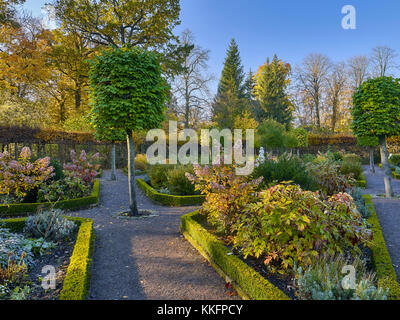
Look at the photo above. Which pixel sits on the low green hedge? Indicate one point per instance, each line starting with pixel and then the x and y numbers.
pixel 396 175
pixel 362 182
pixel 380 256
pixel 248 283
pixel 167 199
pixel 76 282
pixel 391 168
pixel 71 204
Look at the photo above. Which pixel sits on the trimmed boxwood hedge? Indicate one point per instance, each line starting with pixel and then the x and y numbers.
pixel 247 282
pixel 20 209
pixel 76 282
pixel 167 199
pixel 251 285
pixel 380 256
pixel 362 183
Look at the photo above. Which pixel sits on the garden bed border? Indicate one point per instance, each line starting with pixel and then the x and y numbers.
pixel 22 209
pixel 380 255
pixel 251 285
pixel 167 199
pixel 362 182
pixel 77 279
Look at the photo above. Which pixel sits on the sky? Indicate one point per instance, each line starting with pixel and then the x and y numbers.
pixel 289 28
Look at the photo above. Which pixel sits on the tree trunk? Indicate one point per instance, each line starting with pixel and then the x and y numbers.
pixel 131 174
pixel 371 160
pixel 113 167
pixel 386 167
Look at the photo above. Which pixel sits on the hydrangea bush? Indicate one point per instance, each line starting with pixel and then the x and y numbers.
pixel 82 168
pixel 18 177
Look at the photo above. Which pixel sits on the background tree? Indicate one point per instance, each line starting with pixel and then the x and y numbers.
pixel 69 56
pixel 272 80
pixel 120 22
pixel 358 71
pixel 191 85
pixel 336 88
pixel 230 100
pixel 128 94
pixel 8 12
pixel 376 113
pixel 311 78
pixel 383 60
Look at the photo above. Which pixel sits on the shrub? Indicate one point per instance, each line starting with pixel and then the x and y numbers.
pixel 226 193
pixel 324 281
pixel 49 225
pixel 178 183
pixel 58 170
pixel 68 188
pixel 301 135
pixel 308 157
pixel 285 169
pixel 158 175
pixel 18 177
pixel 289 226
pixel 271 134
pixel 337 156
pixel 394 159
pixel 359 201
pixel 326 173
pixel 350 167
pixel 141 162
pixel 82 168
pixel 352 157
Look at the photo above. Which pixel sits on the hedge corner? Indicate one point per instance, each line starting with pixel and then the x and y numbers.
pixel 167 199
pixel 248 283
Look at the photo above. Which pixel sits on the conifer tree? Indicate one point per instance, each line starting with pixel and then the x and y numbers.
pixel 232 75
pixel 272 80
pixel 230 100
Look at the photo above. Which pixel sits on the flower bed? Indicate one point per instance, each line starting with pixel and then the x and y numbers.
pixel 167 199
pixel 76 281
pixel 251 285
pixel 18 209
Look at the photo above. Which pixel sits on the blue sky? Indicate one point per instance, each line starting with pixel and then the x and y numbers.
pixel 289 28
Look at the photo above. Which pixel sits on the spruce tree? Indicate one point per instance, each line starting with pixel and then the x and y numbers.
pixel 230 100
pixel 232 75
pixel 272 80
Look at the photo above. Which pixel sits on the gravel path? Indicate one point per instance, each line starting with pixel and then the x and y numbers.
pixel 388 211
pixel 145 258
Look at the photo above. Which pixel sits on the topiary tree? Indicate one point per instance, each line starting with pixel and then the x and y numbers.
pixel 376 113
pixel 371 142
pixel 128 94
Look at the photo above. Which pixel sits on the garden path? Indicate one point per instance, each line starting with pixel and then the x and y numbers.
pixel 145 258
pixel 388 211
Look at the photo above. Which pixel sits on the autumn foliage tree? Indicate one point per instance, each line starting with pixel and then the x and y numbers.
pixel 376 113
pixel 129 94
